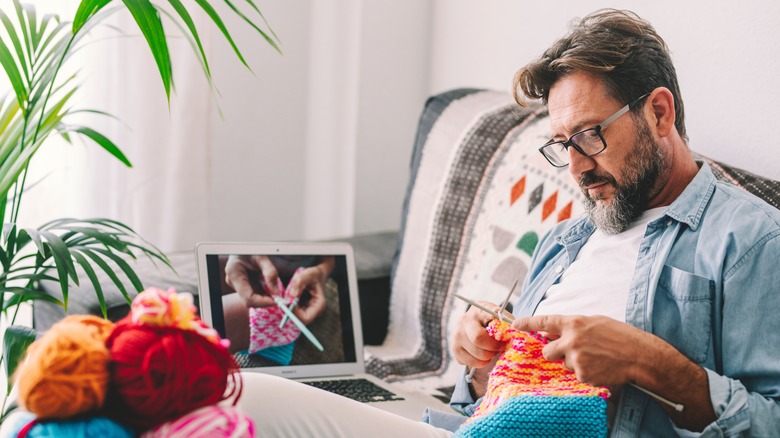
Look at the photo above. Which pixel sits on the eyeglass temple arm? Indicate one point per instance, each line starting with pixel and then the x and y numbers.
pixel 622 111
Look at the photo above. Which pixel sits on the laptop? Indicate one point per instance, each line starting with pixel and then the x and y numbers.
pixel 324 347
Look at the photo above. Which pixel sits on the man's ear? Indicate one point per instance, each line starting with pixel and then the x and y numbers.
pixel 662 111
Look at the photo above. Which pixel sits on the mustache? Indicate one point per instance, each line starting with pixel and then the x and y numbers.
pixel 592 177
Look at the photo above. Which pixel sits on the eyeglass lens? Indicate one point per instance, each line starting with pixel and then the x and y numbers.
pixel 588 141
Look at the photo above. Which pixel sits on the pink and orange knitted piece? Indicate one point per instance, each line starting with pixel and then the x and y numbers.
pixel 530 395
pixel 264 330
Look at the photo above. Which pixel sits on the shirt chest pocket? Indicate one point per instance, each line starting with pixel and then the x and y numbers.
pixel 682 312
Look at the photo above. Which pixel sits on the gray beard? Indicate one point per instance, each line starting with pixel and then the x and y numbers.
pixel 642 168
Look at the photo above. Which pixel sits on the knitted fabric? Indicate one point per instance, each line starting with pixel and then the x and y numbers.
pixel 265 329
pixel 530 396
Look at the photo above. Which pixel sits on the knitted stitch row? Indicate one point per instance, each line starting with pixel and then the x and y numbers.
pixel 528 395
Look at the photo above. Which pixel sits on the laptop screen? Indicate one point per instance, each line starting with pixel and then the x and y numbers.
pixel 287 309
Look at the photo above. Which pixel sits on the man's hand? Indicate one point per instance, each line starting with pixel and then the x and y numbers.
pixel 311 280
pixel 600 350
pixel 241 274
pixel 473 347
pixel 605 352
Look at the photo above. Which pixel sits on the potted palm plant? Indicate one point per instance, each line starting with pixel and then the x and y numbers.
pixel 33 50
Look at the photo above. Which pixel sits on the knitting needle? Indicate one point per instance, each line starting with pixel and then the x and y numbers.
pixel 285 317
pixel 470 376
pixel 306 332
pixel 677 406
pixel 508 296
pixel 506 319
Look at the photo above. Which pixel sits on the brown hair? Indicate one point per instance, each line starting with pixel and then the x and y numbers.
pixel 618 45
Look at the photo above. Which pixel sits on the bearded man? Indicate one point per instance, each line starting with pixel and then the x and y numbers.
pixel 670 283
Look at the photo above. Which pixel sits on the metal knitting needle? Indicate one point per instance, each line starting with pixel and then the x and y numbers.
pixel 506 319
pixel 470 376
pixel 677 406
pixel 508 297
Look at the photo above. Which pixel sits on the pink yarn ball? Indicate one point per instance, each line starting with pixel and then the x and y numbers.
pixel 208 422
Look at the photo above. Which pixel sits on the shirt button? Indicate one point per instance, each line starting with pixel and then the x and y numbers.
pixel 558 269
pixel 669 223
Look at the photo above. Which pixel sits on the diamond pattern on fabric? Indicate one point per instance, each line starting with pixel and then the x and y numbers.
pixel 549 205
pixel 535 197
pixel 517 190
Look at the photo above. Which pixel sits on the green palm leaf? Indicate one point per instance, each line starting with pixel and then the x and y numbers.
pixel 187 19
pixel 254 6
pixel 204 4
pixel 87 267
pixel 104 142
pixel 254 26
pixel 109 272
pixel 151 27
pixel 12 70
pixel 16 339
pixel 17 44
pixel 87 9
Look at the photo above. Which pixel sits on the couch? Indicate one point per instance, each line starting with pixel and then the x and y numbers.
pixel 478 199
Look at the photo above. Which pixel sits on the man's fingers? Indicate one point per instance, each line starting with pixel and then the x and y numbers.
pixel 271 283
pixel 552 352
pixel 474 357
pixel 258 300
pixel 544 323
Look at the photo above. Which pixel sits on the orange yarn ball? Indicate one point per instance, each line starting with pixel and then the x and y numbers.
pixel 66 372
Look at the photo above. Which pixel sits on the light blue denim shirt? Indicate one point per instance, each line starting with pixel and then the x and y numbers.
pixel 707 281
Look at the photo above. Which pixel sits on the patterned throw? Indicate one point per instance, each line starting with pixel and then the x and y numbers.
pixel 530 396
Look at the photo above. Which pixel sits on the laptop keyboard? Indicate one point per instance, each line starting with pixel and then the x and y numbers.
pixel 361 390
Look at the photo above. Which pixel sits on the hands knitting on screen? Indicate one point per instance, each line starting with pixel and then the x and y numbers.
pixel 241 273
pixel 311 280
pixel 256 280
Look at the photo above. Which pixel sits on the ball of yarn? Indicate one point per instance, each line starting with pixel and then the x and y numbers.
pixel 25 424
pixel 161 372
pixel 210 422
pixel 66 371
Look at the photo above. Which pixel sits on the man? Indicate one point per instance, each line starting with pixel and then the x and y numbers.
pixel 670 282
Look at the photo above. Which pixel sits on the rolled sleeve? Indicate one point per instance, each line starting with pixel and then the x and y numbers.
pixel 733 404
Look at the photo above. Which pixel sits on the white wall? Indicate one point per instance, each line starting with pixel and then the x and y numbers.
pixel 318 144
pixel 727 56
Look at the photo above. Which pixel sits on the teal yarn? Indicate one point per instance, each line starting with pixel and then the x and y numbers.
pixel 542 416
pixel 82 428
pixel 281 354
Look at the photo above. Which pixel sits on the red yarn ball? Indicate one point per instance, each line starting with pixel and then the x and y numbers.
pixel 161 373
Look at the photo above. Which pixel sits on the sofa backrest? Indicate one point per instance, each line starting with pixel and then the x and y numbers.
pixel 479 197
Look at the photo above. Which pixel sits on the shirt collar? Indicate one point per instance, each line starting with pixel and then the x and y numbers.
pixel 688 208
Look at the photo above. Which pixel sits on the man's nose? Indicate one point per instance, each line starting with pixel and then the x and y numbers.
pixel 579 163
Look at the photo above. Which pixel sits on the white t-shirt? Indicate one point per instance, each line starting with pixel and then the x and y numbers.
pixel 597 281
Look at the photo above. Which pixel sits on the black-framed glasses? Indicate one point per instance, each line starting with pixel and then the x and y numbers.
pixel 588 142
